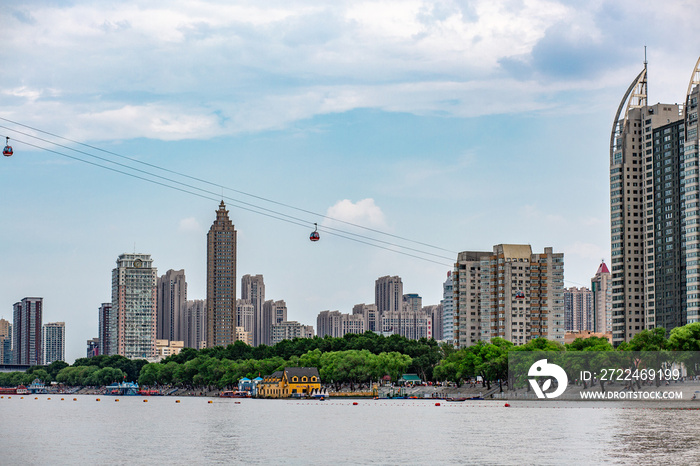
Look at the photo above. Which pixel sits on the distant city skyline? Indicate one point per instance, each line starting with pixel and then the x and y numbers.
pixel 428 121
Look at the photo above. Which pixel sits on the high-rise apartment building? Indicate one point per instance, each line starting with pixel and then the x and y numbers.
pixel 221 280
pixel 388 294
pixel 273 313
pixel 447 309
pixel 134 294
pixel 53 337
pixel 578 309
pixel 467 297
pixel 510 293
pixel 172 306
pixel 107 335
pixel 253 290
pixel 196 336
pixel 26 332
pixel 654 211
pixel 602 300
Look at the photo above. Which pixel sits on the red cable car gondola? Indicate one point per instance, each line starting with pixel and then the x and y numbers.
pixel 7 151
pixel 519 295
pixel 314 236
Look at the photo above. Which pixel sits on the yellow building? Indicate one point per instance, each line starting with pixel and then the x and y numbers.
pixel 292 382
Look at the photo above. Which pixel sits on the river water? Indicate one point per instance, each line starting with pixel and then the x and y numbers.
pixel 227 431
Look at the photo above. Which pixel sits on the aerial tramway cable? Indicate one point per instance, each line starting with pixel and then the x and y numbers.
pixel 203 193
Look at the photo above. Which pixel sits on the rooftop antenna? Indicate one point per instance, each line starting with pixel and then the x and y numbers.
pixel 645 56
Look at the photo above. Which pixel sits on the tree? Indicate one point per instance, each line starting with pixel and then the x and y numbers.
pixel 647 340
pixel 686 338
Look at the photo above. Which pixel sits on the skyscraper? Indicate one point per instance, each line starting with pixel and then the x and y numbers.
pixel 447 308
pixel 26 331
pixel 172 306
pixel 107 336
pixel 274 312
pixel 196 336
pixel 221 280
pixel 134 306
pixel 578 309
pixel 53 339
pixel 654 211
pixel 253 290
pixel 602 300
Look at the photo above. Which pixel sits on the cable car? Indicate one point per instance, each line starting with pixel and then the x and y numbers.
pixel 314 236
pixel 7 151
pixel 519 295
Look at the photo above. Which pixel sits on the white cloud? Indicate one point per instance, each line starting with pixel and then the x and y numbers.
pixel 364 212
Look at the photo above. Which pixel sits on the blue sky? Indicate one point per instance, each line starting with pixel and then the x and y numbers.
pixel 461 124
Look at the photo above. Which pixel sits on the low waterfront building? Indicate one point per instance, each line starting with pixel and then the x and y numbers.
pixel 293 382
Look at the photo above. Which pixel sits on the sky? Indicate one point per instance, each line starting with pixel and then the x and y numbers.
pixel 455 124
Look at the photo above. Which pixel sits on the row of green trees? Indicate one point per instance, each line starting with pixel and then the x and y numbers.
pixel 351 359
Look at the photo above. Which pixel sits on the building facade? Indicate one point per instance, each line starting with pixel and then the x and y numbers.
pixel 134 294
pixel 221 280
pixel 26 332
pixel 53 337
pixel 172 306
